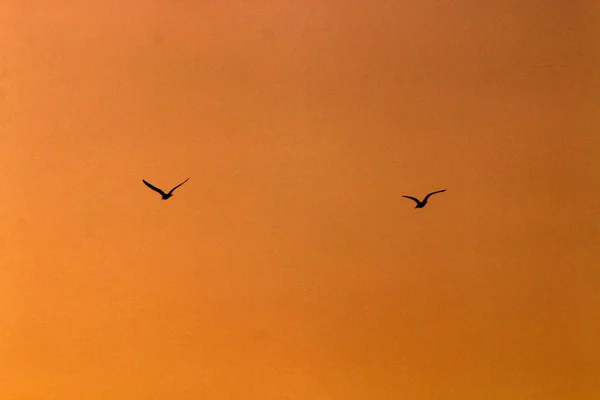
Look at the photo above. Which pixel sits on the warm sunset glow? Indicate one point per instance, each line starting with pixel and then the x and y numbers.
pixel 290 266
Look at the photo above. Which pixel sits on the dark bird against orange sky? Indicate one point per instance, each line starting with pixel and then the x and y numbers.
pixel 164 195
pixel 421 204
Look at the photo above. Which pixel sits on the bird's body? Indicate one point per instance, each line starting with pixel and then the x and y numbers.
pixel 164 195
pixel 421 203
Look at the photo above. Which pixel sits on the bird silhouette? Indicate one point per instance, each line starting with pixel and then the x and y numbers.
pixel 421 204
pixel 164 195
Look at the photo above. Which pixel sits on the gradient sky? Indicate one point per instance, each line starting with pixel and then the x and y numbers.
pixel 289 266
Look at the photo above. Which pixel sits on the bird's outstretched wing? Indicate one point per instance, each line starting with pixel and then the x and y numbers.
pixel 172 190
pixel 153 187
pixel 432 193
pixel 413 199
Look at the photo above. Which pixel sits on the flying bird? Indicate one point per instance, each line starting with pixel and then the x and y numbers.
pixel 421 204
pixel 164 195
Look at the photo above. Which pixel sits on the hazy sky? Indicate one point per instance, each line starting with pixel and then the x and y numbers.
pixel 290 266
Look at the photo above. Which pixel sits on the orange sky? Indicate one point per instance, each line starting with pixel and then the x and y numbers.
pixel 289 266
